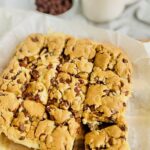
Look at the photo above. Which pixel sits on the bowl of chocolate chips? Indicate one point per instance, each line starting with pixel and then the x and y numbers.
pixel 55 7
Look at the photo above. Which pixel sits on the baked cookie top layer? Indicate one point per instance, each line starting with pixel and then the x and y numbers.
pixel 59 92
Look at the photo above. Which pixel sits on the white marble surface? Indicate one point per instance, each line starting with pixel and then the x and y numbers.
pixel 135 20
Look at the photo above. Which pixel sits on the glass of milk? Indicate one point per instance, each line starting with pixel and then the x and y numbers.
pixel 103 10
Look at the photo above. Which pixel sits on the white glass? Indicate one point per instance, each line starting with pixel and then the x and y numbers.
pixel 103 10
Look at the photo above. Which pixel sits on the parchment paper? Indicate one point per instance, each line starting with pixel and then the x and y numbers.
pixel 138 113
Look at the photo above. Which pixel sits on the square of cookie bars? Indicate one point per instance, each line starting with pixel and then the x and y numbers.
pixel 63 93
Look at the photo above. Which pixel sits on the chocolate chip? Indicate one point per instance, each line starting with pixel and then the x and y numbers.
pixel 34 39
pixel 35 75
pixel 61 60
pixel 92 107
pixel 110 141
pixel 18 97
pixel 40 90
pixel 98 113
pixel 6 77
pixel 64 104
pixel 129 79
pixel 125 60
pixel 58 68
pixel 123 137
pixel 77 90
pixel 26 122
pixel 24 62
pixel 100 82
pixel 22 138
pixel 20 50
pixel 27 95
pixel 52 101
pixel 54 82
pixel 107 92
pixel 50 66
pixel 78 144
pixel 46 55
pixel 123 128
pixel 68 81
pixel 61 80
pixel 14 77
pixel 19 81
pixel 22 127
pixel 124 104
pixel 15 115
pixel 122 84
pixel 77 76
pixel 126 93
pixel 81 81
pixel 66 58
pixel 102 147
pixel 37 98
pixel 11 71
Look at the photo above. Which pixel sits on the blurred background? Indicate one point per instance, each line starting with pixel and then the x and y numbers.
pixel 131 17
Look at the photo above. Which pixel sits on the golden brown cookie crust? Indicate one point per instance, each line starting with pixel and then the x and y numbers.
pixel 59 91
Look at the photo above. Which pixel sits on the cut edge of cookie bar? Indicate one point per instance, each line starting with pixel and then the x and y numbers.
pixel 110 137
pixel 114 58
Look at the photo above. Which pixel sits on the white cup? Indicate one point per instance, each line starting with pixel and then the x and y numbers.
pixel 103 10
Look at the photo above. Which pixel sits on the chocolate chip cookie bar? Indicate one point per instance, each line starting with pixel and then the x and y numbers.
pixel 108 137
pixel 109 87
pixel 63 93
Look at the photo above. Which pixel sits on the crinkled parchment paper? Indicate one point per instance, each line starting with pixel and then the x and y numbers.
pixel 138 113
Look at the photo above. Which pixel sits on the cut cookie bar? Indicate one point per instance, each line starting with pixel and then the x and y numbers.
pixel 61 93
pixel 108 137
pixel 25 89
pixel 109 87
pixel 112 58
